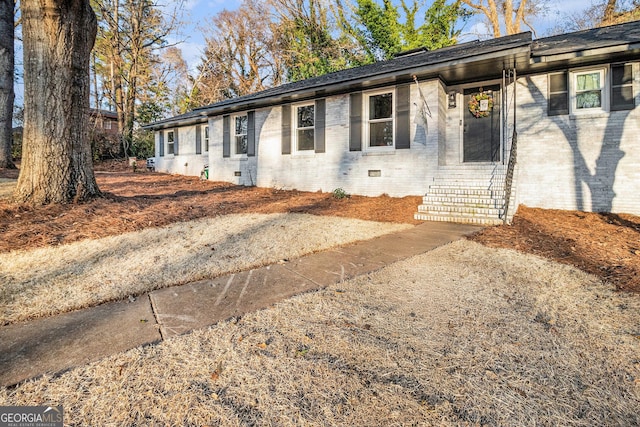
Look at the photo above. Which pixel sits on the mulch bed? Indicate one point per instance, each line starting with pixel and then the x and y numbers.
pixel 134 201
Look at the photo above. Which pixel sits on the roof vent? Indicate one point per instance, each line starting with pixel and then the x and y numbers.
pixel 411 52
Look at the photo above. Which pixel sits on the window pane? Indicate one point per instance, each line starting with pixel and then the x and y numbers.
pixel 589 81
pixel 380 106
pixel 622 98
pixel 305 116
pixel 206 132
pixel 558 103
pixel 622 74
pixel 170 148
pixel 241 144
pixel 305 139
pixel 381 134
pixel 170 137
pixel 590 99
pixel 241 125
pixel 558 82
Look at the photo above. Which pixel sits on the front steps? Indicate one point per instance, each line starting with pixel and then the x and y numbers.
pixel 470 194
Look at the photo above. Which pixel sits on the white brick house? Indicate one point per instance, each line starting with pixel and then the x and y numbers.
pixel 440 123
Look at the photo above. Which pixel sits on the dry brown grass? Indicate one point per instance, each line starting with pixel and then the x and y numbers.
pixel 52 280
pixel 463 335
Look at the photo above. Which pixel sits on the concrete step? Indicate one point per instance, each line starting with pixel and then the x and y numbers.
pixel 473 180
pixel 464 192
pixel 461 219
pixel 477 201
pixel 472 166
pixel 460 210
pixel 473 185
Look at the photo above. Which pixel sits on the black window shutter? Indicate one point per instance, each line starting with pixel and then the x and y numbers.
pixel 251 133
pixel 286 129
pixel 161 143
pixel 319 125
pixel 175 142
pixel 558 94
pixel 403 139
pixel 622 87
pixel 355 122
pixel 198 139
pixel 226 136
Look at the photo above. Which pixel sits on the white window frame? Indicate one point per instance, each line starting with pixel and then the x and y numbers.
pixel 106 124
pixel 234 135
pixel 170 143
pixel 366 121
pixel 205 139
pixel 604 88
pixel 295 127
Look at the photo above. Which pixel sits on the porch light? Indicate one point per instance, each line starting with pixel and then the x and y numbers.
pixel 451 96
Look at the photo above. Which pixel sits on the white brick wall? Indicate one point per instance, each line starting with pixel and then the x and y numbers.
pixel 187 162
pixel 589 163
pixel 403 172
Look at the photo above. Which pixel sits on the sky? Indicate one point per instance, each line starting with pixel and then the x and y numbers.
pixel 197 13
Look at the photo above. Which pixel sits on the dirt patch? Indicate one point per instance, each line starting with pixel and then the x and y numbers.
pixel 134 201
pixel 606 245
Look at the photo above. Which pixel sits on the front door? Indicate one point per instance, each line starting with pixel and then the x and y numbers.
pixel 481 134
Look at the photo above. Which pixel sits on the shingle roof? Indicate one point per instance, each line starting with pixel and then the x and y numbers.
pixel 615 35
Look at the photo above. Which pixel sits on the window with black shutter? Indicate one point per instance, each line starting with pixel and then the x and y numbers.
pixel 622 87
pixel 320 121
pixel 226 136
pixel 558 94
pixel 286 129
pixel 161 143
pixel 198 140
pixel 355 122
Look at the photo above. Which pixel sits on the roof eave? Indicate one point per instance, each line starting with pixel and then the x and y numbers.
pixel 202 117
pixel 537 59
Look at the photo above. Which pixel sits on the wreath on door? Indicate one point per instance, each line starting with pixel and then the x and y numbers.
pixel 481 104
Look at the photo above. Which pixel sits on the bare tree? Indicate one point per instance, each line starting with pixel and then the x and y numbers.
pixel 507 13
pixel 130 34
pixel 7 58
pixel 617 12
pixel 58 36
pixel 242 53
pixel 600 14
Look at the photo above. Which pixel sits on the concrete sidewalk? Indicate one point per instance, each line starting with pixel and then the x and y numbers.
pixel 58 343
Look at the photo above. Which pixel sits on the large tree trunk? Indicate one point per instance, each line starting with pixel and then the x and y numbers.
pixel 6 82
pixel 56 161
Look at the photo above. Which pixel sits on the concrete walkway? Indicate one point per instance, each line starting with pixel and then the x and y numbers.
pixel 58 343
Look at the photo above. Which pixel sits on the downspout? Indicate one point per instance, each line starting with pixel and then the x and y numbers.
pixel 512 155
